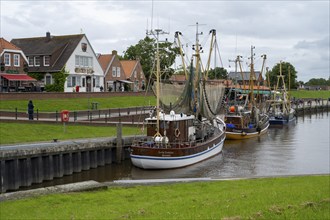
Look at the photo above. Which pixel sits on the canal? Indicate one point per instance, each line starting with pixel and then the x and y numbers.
pixel 299 148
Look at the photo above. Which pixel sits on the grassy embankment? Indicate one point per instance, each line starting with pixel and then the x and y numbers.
pixel 271 198
pixel 299 94
pixel 12 133
pixel 77 104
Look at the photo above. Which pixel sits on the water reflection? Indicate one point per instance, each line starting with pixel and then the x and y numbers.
pixel 299 148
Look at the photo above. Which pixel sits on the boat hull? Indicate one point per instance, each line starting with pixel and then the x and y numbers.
pixel 286 119
pixel 245 133
pixel 171 159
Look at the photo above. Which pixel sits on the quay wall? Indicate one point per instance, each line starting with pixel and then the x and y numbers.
pixel 23 165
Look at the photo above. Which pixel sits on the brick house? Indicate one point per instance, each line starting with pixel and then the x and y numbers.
pixel 13 62
pixel 73 53
pixel 134 73
pixel 114 76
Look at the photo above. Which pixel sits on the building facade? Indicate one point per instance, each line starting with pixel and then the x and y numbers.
pixel 72 54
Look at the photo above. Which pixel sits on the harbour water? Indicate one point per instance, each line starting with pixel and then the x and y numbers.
pixel 302 147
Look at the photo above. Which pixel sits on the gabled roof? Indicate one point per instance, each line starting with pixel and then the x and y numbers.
pixel 4 44
pixel 246 75
pixel 60 48
pixel 128 66
pixel 104 60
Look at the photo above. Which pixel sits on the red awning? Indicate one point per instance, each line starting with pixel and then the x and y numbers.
pixel 17 77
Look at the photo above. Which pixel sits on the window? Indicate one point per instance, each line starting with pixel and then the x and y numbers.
pixel 30 59
pixel 135 74
pixel 48 79
pixel 97 81
pixel 16 60
pixel 7 59
pixel 37 61
pixel 46 60
pixel 83 61
pixel 114 71
pixel 84 47
pixel 83 82
pixel 118 71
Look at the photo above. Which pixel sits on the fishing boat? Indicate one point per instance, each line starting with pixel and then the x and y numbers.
pixel 185 129
pixel 246 120
pixel 280 111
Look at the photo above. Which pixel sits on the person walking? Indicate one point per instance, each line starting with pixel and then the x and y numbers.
pixel 30 110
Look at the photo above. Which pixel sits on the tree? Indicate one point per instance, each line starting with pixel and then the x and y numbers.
pixel 218 73
pixel 145 51
pixel 318 82
pixel 286 68
pixel 59 80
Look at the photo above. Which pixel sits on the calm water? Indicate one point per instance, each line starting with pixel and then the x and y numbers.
pixel 299 148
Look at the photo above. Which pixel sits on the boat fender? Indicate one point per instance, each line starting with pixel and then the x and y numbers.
pixel 177 132
pixel 243 133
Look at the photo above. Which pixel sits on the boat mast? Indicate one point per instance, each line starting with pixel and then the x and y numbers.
pixel 252 77
pixel 156 34
pixel 197 75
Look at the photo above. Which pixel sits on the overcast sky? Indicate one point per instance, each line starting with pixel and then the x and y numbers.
pixel 291 31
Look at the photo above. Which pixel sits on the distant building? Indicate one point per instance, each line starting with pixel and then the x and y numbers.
pixel 13 63
pixel 51 54
pixel 243 78
pixel 119 74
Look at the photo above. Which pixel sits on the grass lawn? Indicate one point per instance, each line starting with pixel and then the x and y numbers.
pixel 323 94
pixel 12 133
pixel 78 103
pixel 272 198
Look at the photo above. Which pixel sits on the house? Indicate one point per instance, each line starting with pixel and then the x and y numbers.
pixel 134 73
pixel 114 76
pixel 121 75
pixel 72 53
pixel 13 68
pixel 243 78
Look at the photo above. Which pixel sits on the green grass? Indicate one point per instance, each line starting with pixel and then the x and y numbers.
pixel 12 133
pixel 75 104
pixel 323 94
pixel 272 198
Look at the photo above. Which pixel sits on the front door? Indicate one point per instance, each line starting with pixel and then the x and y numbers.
pixel 88 84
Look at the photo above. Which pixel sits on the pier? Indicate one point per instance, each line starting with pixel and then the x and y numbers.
pixel 25 164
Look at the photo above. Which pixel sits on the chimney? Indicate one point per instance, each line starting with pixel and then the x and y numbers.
pixel 47 36
pixel 114 52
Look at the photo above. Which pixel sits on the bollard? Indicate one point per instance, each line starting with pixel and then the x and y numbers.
pixel 37 114
pixel 74 116
pixel 56 115
pixel 16 113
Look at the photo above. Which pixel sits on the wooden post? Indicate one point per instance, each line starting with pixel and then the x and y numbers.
pixel 119 146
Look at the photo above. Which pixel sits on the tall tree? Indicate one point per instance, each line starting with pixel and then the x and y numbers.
pixel 145 51
pixel 318 82
pixel 286 68
pixel 218 73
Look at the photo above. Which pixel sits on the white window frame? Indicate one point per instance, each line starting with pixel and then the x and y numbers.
pixel 6 59
pixel 50 77
pixel 30 58
pixel 46 64
pixel 35 61
pixel 16 60
pixel 118 71
pixel 114 71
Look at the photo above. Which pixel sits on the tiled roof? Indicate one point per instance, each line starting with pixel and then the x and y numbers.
pixel 128 66
pixel 104 60
pixel 4 44
pixel 60 48
pixel 246 75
